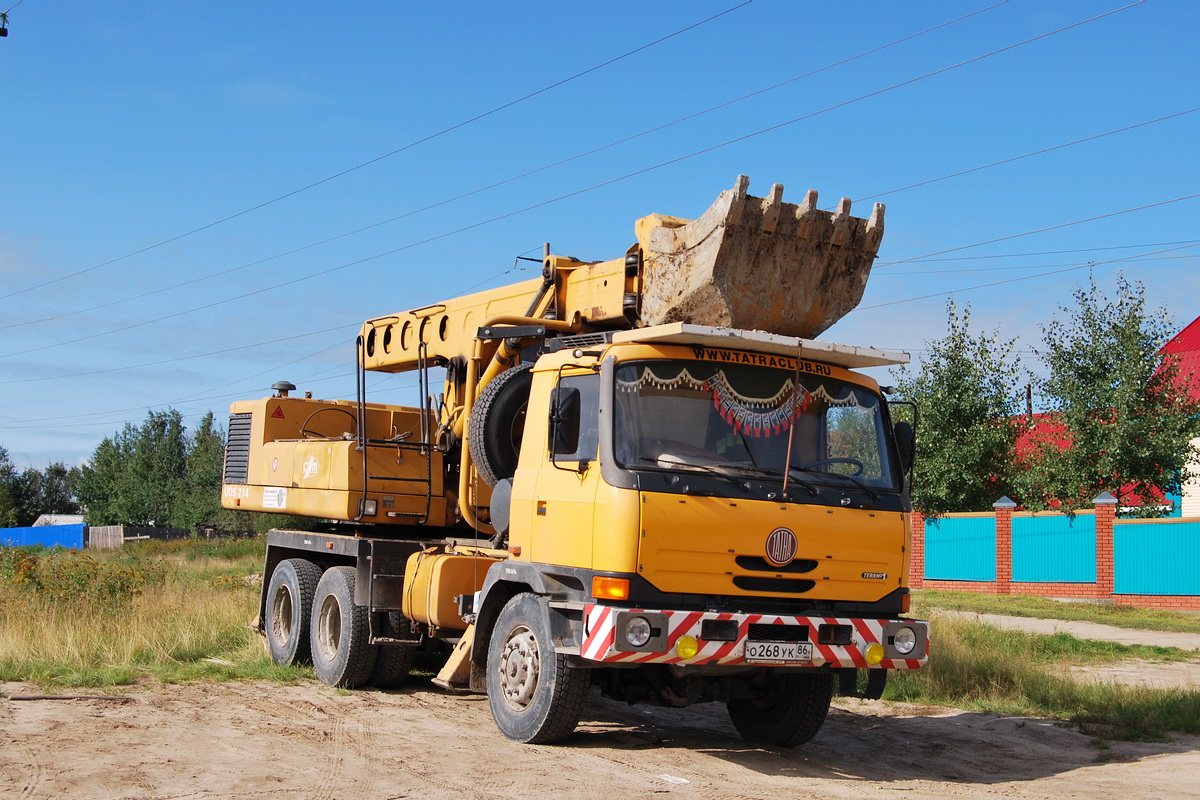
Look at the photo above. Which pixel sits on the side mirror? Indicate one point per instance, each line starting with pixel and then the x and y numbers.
pixel 906 444
pixel 564 422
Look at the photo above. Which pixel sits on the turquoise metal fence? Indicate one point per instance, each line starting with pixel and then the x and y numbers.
pixel 960 548
pixel 1054 549
pixel 1158 558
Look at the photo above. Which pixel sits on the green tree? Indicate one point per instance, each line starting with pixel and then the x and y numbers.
pixel 1125 421
pixel 156 473
pixel 136 476
pixel 48 491
pixel 966 394
pixel 200 497
pixel 10 492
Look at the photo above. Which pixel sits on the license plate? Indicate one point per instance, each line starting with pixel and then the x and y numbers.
pixel 778 652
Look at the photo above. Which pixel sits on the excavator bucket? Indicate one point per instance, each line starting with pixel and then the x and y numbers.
pixel 758 263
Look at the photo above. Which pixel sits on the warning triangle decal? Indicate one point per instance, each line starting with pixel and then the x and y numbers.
pixel 277 413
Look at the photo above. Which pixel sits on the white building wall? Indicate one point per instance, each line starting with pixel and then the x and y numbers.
pixel 1190 505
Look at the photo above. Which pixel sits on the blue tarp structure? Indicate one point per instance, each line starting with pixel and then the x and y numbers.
pixel 48 535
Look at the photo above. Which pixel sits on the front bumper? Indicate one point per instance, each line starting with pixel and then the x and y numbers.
pixel 834 642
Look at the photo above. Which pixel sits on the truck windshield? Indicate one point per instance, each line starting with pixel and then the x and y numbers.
pixel 732 418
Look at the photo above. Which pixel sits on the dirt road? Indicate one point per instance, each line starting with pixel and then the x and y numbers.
pixel 256 742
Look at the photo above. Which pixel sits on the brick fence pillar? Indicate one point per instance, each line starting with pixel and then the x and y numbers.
pixel 1106 512
pixel 916 552
pixel 1004 510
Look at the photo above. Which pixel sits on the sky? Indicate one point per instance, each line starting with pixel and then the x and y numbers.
pixel 200 199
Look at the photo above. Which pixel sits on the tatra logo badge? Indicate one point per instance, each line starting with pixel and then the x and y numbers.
pixel 781 547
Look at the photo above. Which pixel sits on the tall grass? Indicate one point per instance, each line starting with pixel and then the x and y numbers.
pixel 980 667
pixel 174 611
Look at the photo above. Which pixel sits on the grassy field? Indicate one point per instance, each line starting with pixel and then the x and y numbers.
pixel 181 611
pixel 171 611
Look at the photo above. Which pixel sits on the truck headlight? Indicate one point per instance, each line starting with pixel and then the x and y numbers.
pixel 905 640
pixel 638 631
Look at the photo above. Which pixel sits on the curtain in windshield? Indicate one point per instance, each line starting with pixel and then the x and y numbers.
pixel 677 413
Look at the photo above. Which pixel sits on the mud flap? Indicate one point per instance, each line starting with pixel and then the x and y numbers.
pixel 849 686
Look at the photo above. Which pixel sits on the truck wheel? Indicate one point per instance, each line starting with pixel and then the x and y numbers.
pixel 392 665
pixel 497 422
pixel 790 712
pixel 534 696
pixel 341 634
pixel 288 609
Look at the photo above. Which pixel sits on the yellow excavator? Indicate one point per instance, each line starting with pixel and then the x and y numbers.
pixel 642 474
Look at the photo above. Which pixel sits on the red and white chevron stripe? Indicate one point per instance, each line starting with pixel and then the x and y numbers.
pixel 599 633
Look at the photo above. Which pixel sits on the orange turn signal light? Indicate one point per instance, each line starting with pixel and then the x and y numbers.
pixel 605 588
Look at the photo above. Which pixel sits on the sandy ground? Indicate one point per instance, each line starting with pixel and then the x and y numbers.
pixel 244 741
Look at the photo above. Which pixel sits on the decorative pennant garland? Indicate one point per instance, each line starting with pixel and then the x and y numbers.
pixel 755 416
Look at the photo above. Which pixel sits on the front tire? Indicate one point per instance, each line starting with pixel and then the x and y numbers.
pixel 288 610
pixel 789 711
pixel 534 696
pixel 341 633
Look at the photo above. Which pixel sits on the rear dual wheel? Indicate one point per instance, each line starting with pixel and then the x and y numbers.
pixel 311 619
pixel 341 633
pixel 288 609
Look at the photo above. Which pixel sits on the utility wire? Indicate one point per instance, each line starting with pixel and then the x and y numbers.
pixel 1088 265
pixel 1038 230
pixel 509 180
pixel 377 159
pixel 1027 267
pixel 601 185
pixel 177 359
pixel 1027 155
pixel 924 260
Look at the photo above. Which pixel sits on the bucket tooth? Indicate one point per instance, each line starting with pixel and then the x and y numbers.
pixel 772 206
pixel 842 222
pixel 809 215
pixel 875 227
pixel 737 202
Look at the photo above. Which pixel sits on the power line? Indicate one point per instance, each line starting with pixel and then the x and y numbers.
pixel 1027 155
pixel 292 337
pixel 1026 267
pixel 377 159
pixel 1039 230
pixel 924 260
pixel 512 179
pixel 603 184
pixel 1088 265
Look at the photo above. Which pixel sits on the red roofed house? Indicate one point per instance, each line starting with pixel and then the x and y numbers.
pixel 1044 429
pixel 1186 346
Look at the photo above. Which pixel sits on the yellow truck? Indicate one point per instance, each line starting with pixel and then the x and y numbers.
pixel 641 474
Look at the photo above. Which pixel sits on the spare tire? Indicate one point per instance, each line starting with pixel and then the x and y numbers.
pixel 497 423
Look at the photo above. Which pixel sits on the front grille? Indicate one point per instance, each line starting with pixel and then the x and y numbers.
pixel 237 449
pixel 789 585
pixel 759 632
pixel 759 564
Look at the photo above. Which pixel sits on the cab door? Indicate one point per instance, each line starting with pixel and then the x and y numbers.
pixel 562 507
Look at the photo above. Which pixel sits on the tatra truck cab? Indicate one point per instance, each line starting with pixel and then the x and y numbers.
pixel 641 475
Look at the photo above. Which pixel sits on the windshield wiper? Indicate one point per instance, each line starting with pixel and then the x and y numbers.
pixel 777 474
pixel 862 486
pixel 675 461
